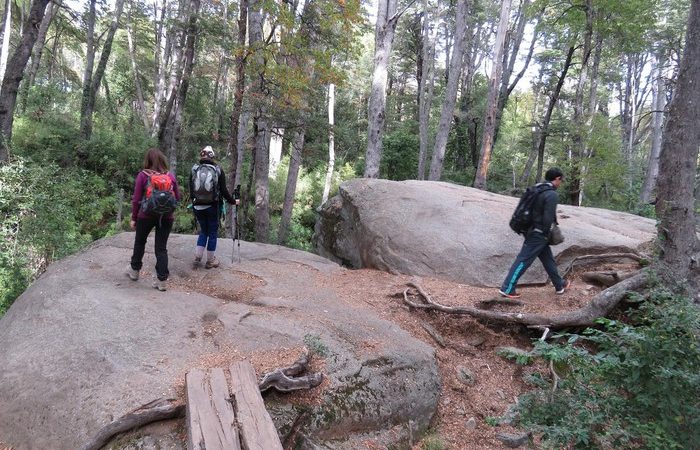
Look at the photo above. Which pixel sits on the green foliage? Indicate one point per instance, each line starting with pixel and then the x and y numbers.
pixel 640 388
pixel 46 213
pixel 315 345
pixel 400 157
pixel 433 442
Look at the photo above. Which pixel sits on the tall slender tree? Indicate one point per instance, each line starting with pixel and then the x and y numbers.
pixel 492 98
pixel 15 73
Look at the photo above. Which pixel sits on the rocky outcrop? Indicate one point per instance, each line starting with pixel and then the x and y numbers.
pixel 84 345
pixel 455 232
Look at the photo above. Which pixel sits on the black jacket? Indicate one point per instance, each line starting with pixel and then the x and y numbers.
pixel 221 182
pixel 545 209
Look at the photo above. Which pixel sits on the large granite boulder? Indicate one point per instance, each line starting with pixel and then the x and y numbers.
pixel 455 232
pixel 84 345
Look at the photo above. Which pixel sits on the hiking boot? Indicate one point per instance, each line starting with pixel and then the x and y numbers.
pixel 566 286
pixel 132 274
pixel 160 285
pixel 512 295
pixel 197 262
pixel 211 263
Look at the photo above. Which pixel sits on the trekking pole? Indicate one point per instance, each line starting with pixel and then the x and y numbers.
pixel 236 235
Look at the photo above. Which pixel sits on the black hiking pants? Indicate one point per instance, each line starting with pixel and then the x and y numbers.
pixel 143 229
pixel 536 245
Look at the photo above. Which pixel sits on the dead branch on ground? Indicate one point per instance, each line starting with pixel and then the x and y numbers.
pixel 599 306
pixel 157 410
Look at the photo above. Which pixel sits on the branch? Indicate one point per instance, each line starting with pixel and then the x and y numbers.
pixel 599 306
pixel 287 379
pixel 154 411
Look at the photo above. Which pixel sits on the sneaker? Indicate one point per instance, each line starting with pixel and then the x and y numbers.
pixel 197 262
pixel 132 274
pixel 511 295
pixel 211 263
pixel 566 286
pixel 160 285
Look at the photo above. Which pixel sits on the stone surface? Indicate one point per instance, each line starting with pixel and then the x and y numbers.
pixel 84 345
pixel 513 440
pixel 455 232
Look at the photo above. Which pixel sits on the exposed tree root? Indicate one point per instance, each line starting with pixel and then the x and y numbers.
pixel 288 379
pixel 597 257
pixel 606 278
pixel 157 410
pixel 599 306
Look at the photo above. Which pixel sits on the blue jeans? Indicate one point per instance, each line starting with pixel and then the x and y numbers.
pixel 536 245
pixel 208 220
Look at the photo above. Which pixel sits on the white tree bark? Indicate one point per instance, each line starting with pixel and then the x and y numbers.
pixel 448 105
pixel 659 102
pixel 331 143
pixel 383 41
pixel 492 99
pixel 425 89
pixel 6 31
pixel 140 104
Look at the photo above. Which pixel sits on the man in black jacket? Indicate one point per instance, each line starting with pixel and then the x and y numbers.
pixel 536 243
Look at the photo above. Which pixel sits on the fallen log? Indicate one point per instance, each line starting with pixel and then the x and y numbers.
pixel 599 306
pixel 157 410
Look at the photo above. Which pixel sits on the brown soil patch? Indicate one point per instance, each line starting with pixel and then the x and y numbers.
pixel 470 344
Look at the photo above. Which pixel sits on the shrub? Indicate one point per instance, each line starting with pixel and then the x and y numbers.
pixel 46 213
pixel 640 388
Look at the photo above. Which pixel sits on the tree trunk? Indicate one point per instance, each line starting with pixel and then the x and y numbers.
pixel 544 130
pixel 578 143
pixel 509 59
pixel 331 144
pixel 162 52
pixel 140 104
pixel 15 72
pixel 387 18
pixel 448 105
pixel 291 188
pixel 659 102
pixel 87 74
pixel 675 205
pixel 234 146
pixel 171 125
pixel 38 51
pixel 492 99
pixel 6 32
pixel 260 125
pixel 86 121
pixel 425 86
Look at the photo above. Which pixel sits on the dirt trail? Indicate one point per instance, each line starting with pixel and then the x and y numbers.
pixel 471 344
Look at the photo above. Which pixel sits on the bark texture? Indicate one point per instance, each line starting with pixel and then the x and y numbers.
pixel 675 204
pixel 15 73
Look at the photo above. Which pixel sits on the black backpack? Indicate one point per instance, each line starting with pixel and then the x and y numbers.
pixel 521 221
pixel 205 184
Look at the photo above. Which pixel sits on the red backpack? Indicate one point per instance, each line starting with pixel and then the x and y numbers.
pixel 160 194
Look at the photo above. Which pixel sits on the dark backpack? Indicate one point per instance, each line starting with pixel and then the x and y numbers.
pixel 160 194
pixel 521 221
pixel 205 184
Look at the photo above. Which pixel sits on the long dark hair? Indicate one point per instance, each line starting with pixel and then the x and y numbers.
pixel 155 160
